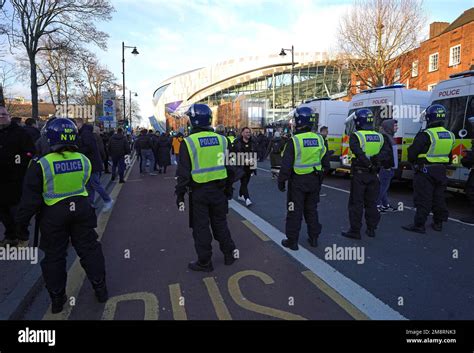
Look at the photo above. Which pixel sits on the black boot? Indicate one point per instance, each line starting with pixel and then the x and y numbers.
pixel 415 228
pixel 351 234
pixel 203 267
pixel 313 242
pixel 289 244
pixel 370 232
pixel 121 181
pixel 100 289
pixel 57 301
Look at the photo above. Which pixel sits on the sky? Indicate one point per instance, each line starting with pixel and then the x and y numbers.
pixel 174 36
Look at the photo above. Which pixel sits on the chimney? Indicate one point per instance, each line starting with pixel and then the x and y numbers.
pixel 437 27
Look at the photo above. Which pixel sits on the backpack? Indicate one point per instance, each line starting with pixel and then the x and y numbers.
pixel 276 146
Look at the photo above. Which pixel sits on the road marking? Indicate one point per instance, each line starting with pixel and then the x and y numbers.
pixel 217 300
pixel 236 294
pixel 177 302
pixel 362 299
pixel 150 302
pixel 335 296
pixel 256 231
pixel 76 274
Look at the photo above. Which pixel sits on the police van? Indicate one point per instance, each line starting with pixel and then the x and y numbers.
pixel 330 113
pixel 389 102
pixel 457 96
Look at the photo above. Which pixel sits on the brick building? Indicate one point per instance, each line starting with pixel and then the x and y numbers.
pixel 448 50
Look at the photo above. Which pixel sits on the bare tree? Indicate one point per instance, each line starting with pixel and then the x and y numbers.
pixel 59 21
pixel 374 35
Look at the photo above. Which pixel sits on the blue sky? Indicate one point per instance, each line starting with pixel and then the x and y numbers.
pixel 174 36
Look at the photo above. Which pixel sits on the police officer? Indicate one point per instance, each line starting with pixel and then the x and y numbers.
pixel 202 171
pixel 431 153
pixel 302 166
pixel 365 145
pixel 55 186
pixel 468 162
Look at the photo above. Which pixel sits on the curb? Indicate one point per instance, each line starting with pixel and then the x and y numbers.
pixel 32 283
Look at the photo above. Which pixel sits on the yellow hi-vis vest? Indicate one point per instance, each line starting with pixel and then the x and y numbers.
pixel 231 138
pixel 64 175
pixel 309 151
pixel 442 143
pixel 208 152
pixel 370 141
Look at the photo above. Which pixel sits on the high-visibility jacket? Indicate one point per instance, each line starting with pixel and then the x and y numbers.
pixel 371 142
pixel 309 151
pixel 208 152
pixel 64 175
pixel 442 143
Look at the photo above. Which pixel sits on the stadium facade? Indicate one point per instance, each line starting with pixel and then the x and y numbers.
pixel 253 91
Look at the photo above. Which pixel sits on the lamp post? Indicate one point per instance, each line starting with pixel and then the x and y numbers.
pixel 283 53
pixel 134 52
pixel 135 94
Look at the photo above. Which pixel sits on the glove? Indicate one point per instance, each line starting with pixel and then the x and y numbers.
pixel 229 192
pixel 180 202
pixel 281 186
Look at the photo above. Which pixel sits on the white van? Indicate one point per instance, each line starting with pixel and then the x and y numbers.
pixel 397 102
pixel 331 113
pixel 457 96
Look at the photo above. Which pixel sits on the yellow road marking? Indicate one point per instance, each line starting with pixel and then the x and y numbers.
pixel 150 301
pixel 177 302
pixel 236 293
pixel 256 231
pixel 76 274
pixel 217 300
pixel 335 296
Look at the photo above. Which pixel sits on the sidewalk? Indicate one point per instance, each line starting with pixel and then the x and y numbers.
pixel 21 280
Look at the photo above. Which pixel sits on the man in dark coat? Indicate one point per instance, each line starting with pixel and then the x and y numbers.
pixel 16 150
pixel 164 150
pixel 31 129
pixel 246 148
pixel 118 149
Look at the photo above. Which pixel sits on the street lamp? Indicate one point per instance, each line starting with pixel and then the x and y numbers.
pixel 134 52
pixel 283 53
pixel 135 94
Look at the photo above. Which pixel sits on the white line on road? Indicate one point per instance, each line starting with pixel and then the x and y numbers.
pixel 407 207
pixel 363 300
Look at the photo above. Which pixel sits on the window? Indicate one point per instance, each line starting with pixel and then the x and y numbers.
pixel 414 68
pixel 396 76
pixel 455 55
pixel 433 65
pixel 430 87
pixel 458 113
pixel 357 86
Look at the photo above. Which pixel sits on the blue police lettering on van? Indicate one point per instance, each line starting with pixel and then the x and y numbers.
pixel 208 141
pixel 310 143
pixel 372 138
pixel 443 135
pixel 71 166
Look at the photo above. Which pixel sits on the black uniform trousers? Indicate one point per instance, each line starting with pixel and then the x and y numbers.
pixel 429 185
pixel 470 190
pixel 244 183
pixel 64 221
pixel 365 188
pixel 302 200
pixel 12 231
pixel 210 205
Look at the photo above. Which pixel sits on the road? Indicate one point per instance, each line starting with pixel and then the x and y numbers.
pixel 147 245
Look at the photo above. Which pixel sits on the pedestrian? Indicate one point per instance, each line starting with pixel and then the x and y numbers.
pixel 275 149
pixel 88 146
pixel 302 166
pixel 105 140
pixel 246 149
pixel 118 149
pixel 365 144
pixel 324 132
pixel 32 129
pixel 262 142
pixel 16 151
pixel 388 158
pixel 42 144
pixel 164 153
pixel 430 153
pixel 201 171
pixel 144 146
pixel 101 146
pixel 468 162
pixel 154 141
pixel 55 187
pixel 231 139
pixel 177 140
